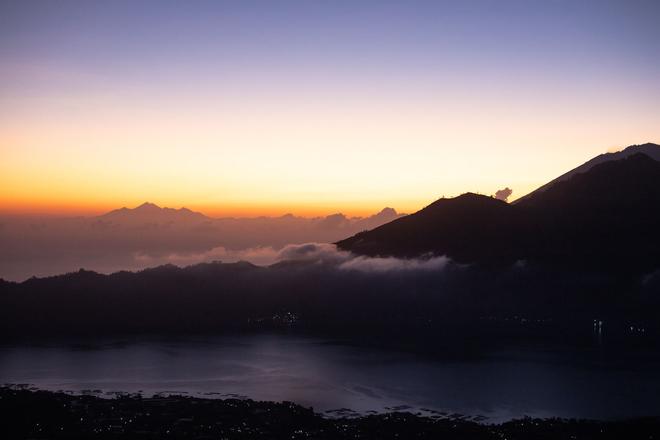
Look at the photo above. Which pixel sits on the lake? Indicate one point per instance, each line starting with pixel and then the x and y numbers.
pixel 329 375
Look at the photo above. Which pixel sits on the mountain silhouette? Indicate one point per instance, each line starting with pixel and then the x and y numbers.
pixel 585 248
pixel 606 216
pixel 454 227
pixel 649 149
pixel 150 212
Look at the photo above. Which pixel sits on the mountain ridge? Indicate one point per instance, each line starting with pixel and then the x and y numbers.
pixel 610 209
pixel 650 149
pixel 151 211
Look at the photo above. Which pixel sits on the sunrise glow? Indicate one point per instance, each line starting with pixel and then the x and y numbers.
pixel 312 108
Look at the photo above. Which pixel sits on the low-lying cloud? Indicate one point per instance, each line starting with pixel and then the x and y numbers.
pixel 324 253
pixel 133 239
pixel 389 264
pixel 312 253
pixel 261 256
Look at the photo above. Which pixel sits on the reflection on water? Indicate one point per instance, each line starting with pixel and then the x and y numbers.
pixel 328 376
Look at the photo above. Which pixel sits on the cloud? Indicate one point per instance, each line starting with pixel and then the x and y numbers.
pixel 503 194
pixel 334 221
pixel 651 278
pixel 257 255
pixel 324 253
pixel 128 239
pixel 519 264
pixel 314 253
pixel 390 264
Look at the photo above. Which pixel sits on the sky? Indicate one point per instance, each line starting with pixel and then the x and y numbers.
pixel 311 107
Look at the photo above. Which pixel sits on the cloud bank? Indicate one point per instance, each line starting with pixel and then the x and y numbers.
pixel 261 256
pixel 133 239
pixel 328 253
pixel 311 253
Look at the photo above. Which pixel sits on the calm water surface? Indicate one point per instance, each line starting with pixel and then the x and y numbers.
pixel 327 376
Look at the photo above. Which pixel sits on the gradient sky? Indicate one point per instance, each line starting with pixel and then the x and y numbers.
pixel 311 107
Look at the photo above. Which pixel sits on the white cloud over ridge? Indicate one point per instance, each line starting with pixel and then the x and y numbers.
pixel 313 253
pixel 262 256
pixel 391 264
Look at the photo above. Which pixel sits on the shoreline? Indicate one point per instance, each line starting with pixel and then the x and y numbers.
pixel 30 413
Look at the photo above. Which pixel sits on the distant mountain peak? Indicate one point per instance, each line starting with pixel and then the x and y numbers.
pixel 148 211
pixel 148 206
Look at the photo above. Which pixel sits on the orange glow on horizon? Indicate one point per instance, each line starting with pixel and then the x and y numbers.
pixel 64 209
pixel 57 205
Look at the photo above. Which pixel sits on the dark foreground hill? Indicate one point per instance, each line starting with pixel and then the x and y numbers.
pixel 446 302
pixel 607 217
pixel 40 414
